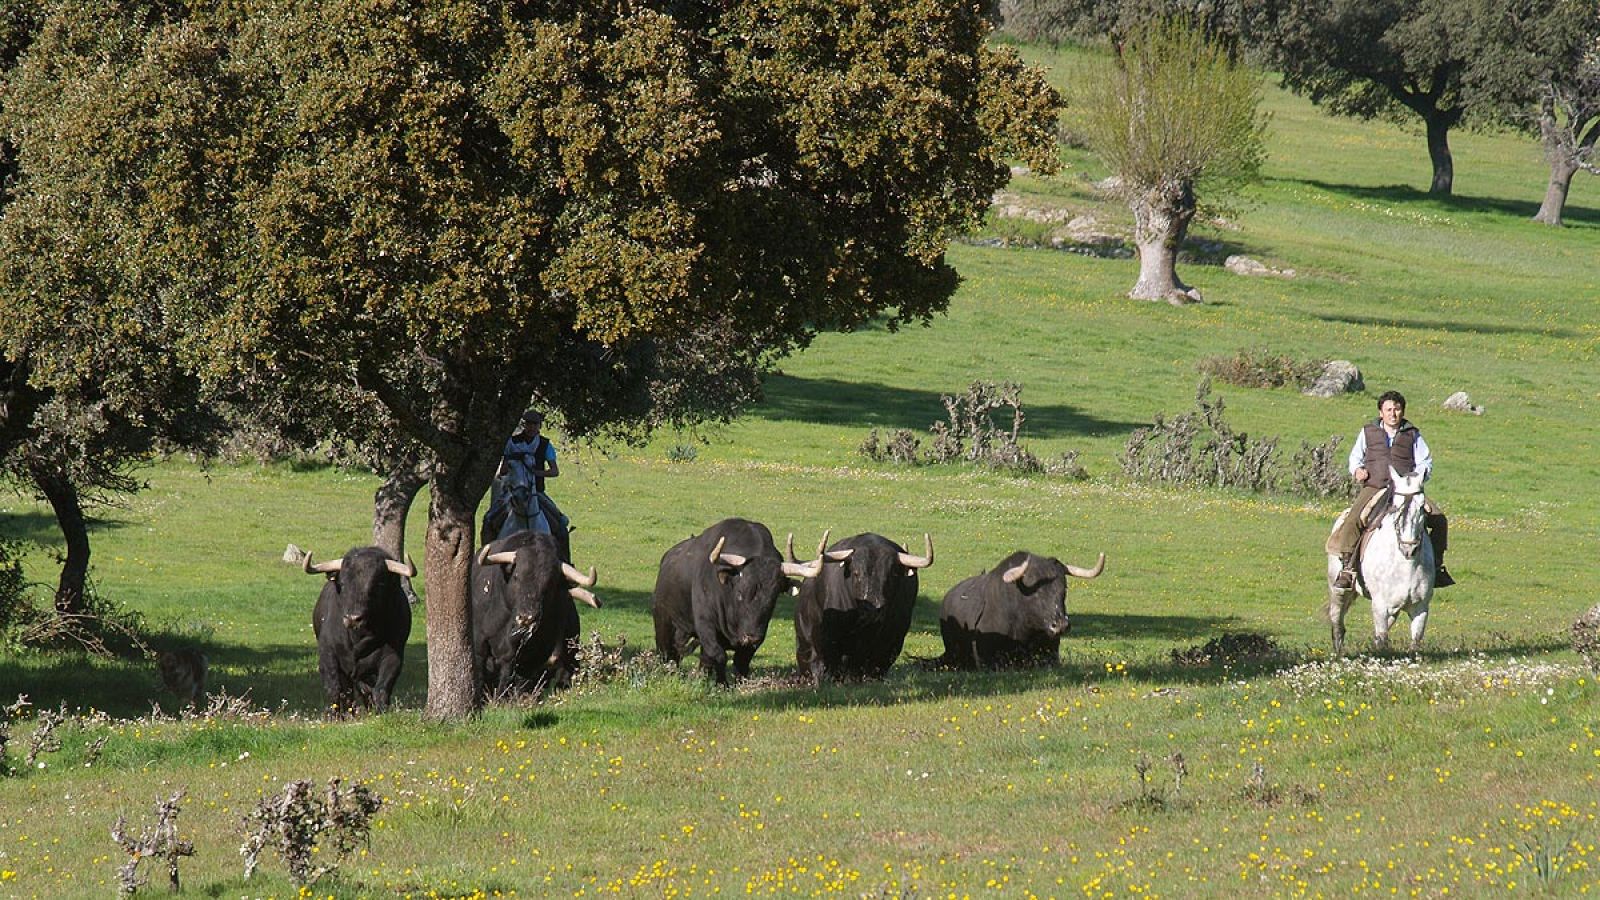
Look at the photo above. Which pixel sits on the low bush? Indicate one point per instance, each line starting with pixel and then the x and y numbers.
pixel 1199 448
pixel 1261 368
pixel 970 435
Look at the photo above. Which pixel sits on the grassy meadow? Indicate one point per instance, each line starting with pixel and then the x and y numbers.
pixel 1473 769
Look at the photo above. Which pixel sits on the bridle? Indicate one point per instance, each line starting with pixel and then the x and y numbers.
pixel 1408 523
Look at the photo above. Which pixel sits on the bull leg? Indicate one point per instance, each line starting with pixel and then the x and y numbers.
pixel 383 685
pixel 741 661
pixel 334 685
pixel 714 660
pixel 669 644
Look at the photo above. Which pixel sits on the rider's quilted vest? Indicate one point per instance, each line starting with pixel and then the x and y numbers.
pixel 1381 454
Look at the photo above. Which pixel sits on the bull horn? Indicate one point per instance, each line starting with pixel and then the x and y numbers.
pixel 576 577
pixel 717 550
pixel 320 568
pixel 732 559
pixel 503 558
pixel 1015 573
pixel 482 552
pixel 579 593
pixel 919 562
pixel 821 545
pixel 1099 567
pixel 840 555
pixel 804 570
pixel 407 569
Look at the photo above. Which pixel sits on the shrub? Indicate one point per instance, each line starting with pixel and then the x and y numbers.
pixel 294 821
pixel 1200 449
pixel 970 435
pixel 1260 368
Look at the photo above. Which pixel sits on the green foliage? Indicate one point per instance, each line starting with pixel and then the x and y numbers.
pixel 16 607
pixel 1173 108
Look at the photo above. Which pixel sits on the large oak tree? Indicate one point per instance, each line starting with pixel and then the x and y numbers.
pixel 1389 58
pixel 620 211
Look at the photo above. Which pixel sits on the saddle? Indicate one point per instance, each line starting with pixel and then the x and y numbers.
pixel 1372 518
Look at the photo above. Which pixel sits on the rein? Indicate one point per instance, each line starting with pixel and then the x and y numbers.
pixel 1408 548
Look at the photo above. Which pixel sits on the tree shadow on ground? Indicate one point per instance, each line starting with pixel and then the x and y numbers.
pixel 40 527
pixel 1571 214
pixel 1453 327
pixel 828 401
pixel 273 677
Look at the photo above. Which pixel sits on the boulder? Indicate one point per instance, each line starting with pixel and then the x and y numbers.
pixel 1460 402
pixel 1339 376
pixel 1244 265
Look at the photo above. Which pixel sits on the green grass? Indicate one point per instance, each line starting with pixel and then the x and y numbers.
pixel 1460 772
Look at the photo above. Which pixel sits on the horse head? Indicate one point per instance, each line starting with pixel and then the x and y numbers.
pixel 1406 511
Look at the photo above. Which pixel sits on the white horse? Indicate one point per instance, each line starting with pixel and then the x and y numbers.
pixel 1397 569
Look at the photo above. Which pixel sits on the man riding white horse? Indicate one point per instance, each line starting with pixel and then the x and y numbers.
pixel 1387 442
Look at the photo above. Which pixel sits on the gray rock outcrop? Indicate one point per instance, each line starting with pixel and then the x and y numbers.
pixel 1460 402
pixel 1339 376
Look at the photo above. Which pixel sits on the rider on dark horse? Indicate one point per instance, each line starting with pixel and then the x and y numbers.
pixel 518 501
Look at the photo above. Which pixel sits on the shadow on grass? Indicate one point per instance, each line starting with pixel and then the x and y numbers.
pixel 273 676
pixel 40 527
pixel 1454 327
pixel 1571 214
pixel 828 401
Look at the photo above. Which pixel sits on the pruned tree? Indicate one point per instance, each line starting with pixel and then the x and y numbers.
pixel 1569 127
pixel 1540 72
pixel 1173 116
pixel 1381 58
pixel 621 212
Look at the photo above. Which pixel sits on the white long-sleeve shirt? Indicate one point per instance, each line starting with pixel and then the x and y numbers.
pixel 1422 457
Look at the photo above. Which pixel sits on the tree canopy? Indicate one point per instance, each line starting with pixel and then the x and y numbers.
pixel 457 206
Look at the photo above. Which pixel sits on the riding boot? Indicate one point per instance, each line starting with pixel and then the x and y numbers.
pixel 1441 575
pixel 1346 579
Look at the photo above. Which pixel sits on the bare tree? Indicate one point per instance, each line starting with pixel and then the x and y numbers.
pixel 1173 114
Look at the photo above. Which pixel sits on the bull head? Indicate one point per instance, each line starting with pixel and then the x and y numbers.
pixel 407 569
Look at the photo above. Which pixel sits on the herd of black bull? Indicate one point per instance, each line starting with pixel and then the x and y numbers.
pixel 717 590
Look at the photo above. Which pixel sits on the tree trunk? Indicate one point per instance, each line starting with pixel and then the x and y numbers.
pixel 62 494
pixel 452 680
pixel 1161 218
pixel 1563 150
pixel 391 504
pixel 1555 193
pixel 1444 174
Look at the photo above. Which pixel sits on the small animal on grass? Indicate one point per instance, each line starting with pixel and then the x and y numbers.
pixel 183 672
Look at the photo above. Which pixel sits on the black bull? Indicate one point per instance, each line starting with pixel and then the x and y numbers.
pixel 718 589
pixel 851 620
pixel 1013 615
pixel 361 621
pixel 524 622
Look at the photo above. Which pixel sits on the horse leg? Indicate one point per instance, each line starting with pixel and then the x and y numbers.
pixel 1338 605
pixel 1382 619
pixel 1419 624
